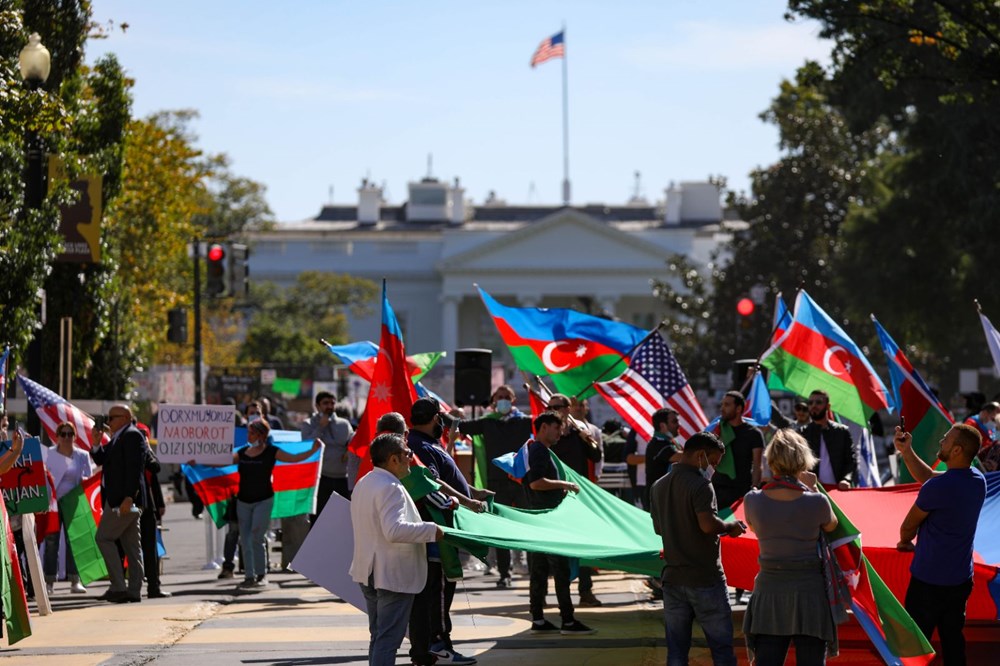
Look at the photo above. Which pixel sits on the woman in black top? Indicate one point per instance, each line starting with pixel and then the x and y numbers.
pixel 256 496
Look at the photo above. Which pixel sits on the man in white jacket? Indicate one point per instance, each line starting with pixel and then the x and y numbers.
pixel 390 560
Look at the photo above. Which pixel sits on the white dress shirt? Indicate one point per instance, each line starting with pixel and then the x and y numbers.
pixel 388 535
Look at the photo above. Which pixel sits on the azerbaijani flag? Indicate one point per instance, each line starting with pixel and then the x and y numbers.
pixel 82 509
pixel 926 418
pixel 391 389
pixel 782 320
pixel 359 357
pixel 815 353
pixel 573 348
pixel 15 602
pixel 294 484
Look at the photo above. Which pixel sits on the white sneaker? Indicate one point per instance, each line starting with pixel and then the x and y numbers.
pixel 77 588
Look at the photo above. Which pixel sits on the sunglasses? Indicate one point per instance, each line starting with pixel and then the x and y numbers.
pixel 817 402
pixel 558 407
pixel 65 433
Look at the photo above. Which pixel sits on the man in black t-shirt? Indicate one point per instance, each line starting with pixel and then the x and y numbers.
pixel 663 450
pixel 746 448
pixel 545 490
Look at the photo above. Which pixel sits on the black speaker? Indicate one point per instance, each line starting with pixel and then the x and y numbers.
pixel 472 376
pixel 741 371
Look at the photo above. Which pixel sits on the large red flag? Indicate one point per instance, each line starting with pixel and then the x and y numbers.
pixel 391 389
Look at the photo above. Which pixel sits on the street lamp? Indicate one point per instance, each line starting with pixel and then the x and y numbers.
pixel 35 64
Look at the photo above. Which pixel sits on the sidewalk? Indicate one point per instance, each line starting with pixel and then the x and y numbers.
pixel 295 623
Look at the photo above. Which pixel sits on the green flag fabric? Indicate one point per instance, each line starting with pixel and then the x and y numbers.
pixel 593 525
pixel 727 465
pixel 81 535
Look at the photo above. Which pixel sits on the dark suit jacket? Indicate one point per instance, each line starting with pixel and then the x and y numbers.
pixel 123 460
pixel 840 446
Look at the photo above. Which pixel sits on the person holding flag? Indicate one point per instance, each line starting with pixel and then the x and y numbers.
pixel 740 468
pixel 943 519
pixel 69 466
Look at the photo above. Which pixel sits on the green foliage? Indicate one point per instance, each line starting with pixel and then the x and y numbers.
pixel 286 324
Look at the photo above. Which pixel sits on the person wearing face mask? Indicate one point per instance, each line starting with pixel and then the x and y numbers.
pixel 686 516
pixel 430 619
pixel 502 431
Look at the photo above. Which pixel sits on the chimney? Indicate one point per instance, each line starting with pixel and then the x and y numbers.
pixel 674 198
pixel 369 203
pixel 457 204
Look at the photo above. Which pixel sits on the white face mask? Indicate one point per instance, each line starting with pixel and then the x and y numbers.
pixel 504 407
pixel 708 470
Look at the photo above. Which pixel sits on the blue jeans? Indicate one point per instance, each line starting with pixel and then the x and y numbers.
pixel 710 606
pixel 254 517
pixel 388 615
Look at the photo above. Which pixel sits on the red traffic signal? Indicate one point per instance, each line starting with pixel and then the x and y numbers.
pixel 216 253
pixel 745 307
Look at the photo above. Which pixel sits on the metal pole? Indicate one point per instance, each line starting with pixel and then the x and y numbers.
pixel 197 322
pixel 566 188
pixel 34 195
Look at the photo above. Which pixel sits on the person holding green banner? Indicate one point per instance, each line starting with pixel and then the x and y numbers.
pixel 69 465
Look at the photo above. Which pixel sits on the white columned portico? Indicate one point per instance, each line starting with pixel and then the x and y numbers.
pixel 449 324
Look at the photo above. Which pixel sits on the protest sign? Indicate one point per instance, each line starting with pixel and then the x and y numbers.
pixel 202 433
pixel 24 487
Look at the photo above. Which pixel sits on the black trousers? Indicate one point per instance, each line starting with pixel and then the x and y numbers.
pixel 941 607
pixel 150 556
pixel 585 580
pixel 422 615
pixel 541 567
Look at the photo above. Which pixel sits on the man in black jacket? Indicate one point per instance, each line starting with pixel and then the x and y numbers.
pixel 831 443
pixel 123 460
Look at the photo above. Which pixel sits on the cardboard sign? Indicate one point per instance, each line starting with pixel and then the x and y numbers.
pixel 202 433
pixel 24 487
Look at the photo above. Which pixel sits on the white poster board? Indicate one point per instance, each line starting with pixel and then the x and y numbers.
pixel 202 433
pixel 325 556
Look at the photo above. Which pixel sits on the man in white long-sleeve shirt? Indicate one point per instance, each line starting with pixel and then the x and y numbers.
pixel 390 560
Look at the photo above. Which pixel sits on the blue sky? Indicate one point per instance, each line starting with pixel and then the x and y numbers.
pixel 307 95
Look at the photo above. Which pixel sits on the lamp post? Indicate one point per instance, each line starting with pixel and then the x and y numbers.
pixel 35 64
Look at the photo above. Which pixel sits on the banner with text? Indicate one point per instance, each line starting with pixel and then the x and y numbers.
pixel 24 487
pixel 202 433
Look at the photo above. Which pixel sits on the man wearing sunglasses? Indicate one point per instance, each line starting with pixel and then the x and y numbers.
pixel 123 460
pixel 831 443
pixel 390 559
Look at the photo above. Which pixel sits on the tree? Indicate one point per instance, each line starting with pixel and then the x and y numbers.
pixel 925 240
pixel 286 324
pixel 77 114
pixel 793 226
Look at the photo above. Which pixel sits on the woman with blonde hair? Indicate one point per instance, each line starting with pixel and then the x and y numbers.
pixel 789 602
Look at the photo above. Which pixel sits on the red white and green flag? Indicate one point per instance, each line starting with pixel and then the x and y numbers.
pixel 927 419
pixel 815 353
pixel 15 602
pixel 890 628
pixel 573 348
pixel 81 508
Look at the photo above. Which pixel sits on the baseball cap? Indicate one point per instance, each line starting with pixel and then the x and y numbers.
pixel 424 409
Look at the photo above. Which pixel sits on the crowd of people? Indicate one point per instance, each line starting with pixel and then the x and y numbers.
pixel 403 568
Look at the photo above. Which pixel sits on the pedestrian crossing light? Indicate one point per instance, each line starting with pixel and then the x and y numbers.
pixel 217 278
pixel 239 271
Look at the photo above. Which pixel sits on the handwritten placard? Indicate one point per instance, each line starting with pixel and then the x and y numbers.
pixel 24 487
pixel 202 433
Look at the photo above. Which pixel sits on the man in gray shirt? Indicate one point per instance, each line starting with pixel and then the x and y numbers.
pixel 335 432
pixel 685 515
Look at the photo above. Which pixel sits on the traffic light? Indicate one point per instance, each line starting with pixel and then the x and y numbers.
pixel 745 308
pixel 239 271
pixel 177 325
pixel 217 278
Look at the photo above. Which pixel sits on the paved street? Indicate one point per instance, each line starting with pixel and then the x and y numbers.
pixel 296 623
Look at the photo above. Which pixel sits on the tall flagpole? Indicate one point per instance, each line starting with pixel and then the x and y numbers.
pixel 565 122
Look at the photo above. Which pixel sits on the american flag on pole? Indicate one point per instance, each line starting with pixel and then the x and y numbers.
pixel 52 410
pixel 653 380
pixel 551 47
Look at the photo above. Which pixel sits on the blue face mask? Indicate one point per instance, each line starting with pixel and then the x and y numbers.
pixel 504 407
